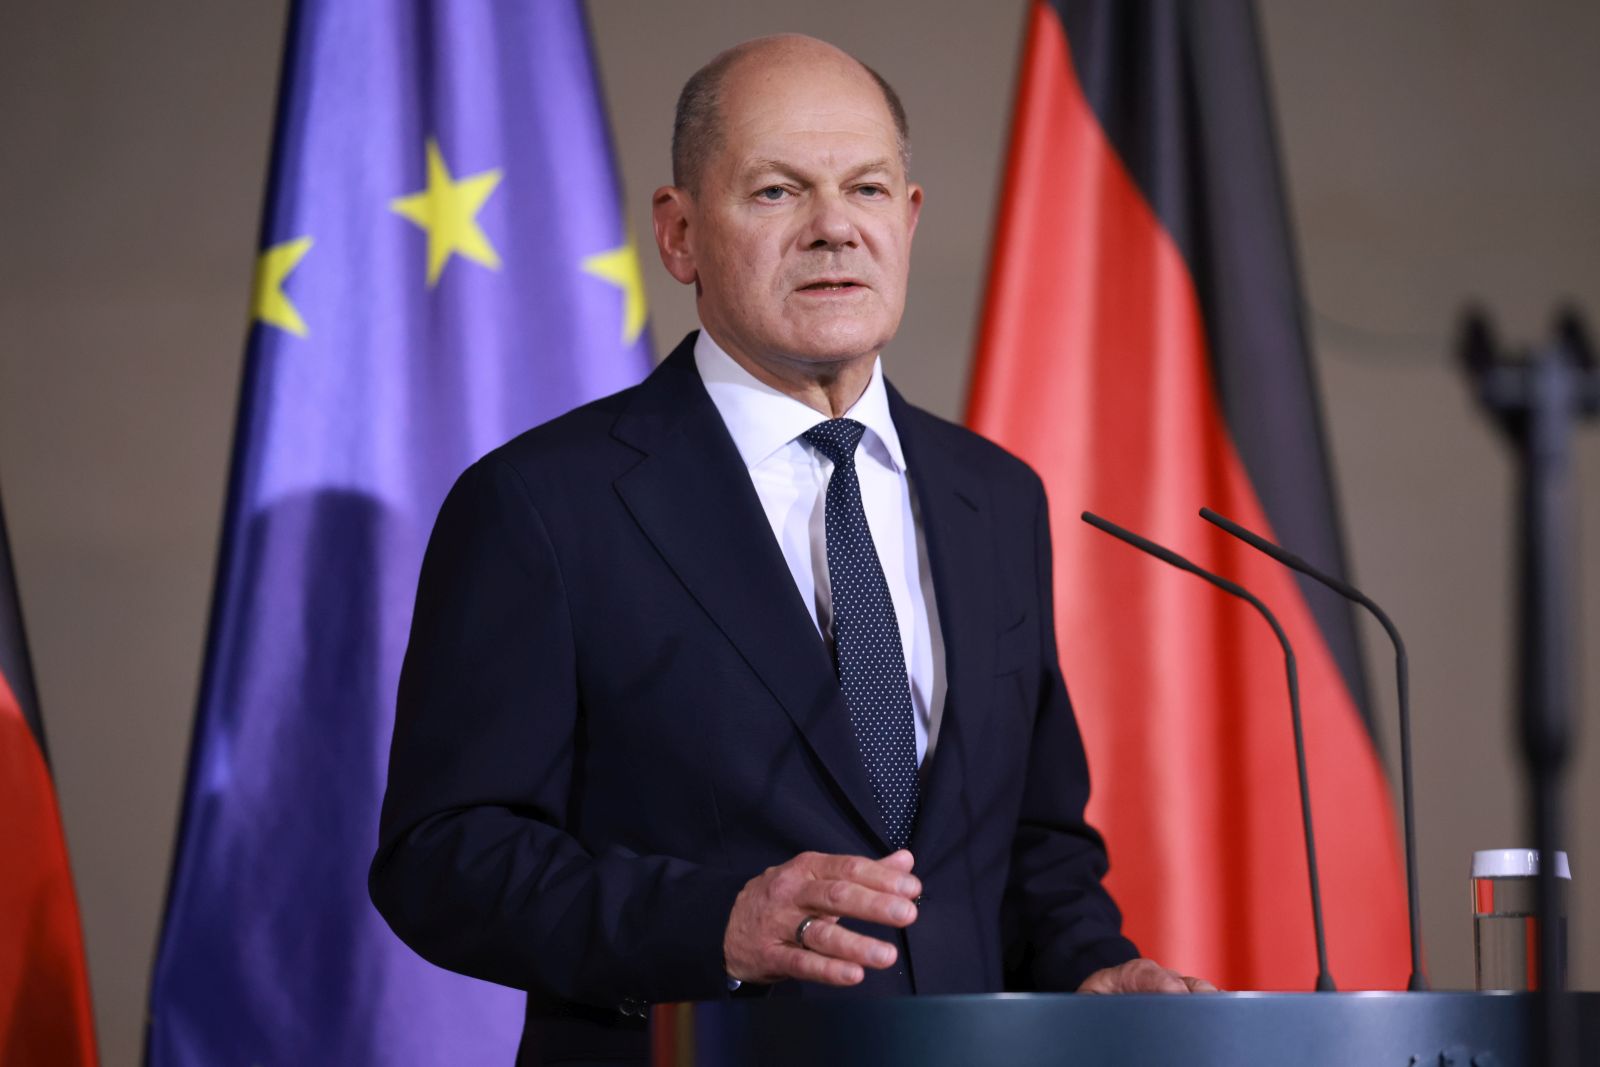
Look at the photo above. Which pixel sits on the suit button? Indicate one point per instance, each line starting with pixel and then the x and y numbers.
pixel 919 899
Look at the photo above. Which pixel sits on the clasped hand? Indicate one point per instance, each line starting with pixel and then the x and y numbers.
pixel 760 943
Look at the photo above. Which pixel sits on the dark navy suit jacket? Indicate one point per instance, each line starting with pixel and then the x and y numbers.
pixel 615 710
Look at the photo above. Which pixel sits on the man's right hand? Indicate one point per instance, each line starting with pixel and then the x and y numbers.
pixel 760 945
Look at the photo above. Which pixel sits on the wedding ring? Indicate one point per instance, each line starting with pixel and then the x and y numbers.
pixel 800 931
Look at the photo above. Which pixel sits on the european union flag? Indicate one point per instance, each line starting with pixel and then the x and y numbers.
pixel 443 265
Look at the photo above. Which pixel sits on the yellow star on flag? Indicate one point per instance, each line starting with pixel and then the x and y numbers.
pixel 447 211
pixel 620 267
pixel 268 302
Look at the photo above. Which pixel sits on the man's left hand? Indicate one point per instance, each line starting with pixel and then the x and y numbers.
pixel 1143 976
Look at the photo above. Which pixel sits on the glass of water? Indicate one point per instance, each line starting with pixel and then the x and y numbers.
pixel 1505 922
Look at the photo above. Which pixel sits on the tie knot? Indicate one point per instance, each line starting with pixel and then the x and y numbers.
pixel 836 439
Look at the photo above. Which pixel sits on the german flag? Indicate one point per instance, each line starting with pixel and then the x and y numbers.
pixel 44 991
pixel 1142 347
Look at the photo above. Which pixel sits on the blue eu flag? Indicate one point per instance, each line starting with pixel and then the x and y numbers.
pixel 443 264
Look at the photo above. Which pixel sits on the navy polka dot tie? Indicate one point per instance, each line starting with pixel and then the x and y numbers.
pixel 866 637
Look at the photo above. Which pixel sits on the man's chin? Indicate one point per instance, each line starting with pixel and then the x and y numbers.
pixel 842 346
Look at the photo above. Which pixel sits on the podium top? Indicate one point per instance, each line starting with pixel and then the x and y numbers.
pixel 1024 1030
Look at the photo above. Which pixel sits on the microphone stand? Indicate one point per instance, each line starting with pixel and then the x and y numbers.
pixel 1537 402
pixel 1402 669
pixel 1324 981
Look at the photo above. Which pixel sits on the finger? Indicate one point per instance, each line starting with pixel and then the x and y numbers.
pixel 814 967
pixel 852 901
pixel 834 940
pixel 817 923
pixel 1199 985
pixel 882 875
pixel 1136 976
pixel 812 930
pixel 1159 979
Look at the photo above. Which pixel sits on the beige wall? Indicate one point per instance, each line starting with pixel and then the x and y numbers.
pixel 1435 150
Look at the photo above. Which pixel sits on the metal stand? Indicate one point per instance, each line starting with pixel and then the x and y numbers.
pixel 1537 402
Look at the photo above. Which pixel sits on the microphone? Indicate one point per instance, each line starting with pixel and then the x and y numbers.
pixel 1402 670
pixel 1166 555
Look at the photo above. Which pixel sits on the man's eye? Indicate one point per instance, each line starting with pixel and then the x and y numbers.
pixel 772 193
pixel 872 190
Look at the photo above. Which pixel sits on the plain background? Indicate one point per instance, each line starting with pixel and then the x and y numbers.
pixel 1436 151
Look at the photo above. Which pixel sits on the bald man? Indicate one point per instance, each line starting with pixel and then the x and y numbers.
pixel 743 682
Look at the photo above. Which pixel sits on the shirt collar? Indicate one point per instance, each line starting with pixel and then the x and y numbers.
pixel 762 419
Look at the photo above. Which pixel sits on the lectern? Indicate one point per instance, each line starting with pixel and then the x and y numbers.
pixel 1219 1030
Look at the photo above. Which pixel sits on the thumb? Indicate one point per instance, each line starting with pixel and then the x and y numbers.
pixel 902 860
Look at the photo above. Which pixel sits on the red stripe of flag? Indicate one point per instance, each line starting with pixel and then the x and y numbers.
pixel 1094 367
pixel 45 1018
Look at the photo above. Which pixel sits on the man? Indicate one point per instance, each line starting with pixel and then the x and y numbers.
pixel 744 681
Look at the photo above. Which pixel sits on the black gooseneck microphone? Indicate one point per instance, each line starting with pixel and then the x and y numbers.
pixel 1166 555
pixel 1402 670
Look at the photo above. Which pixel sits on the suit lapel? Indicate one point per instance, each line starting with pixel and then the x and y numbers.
pixel 693 498
pixel 956 529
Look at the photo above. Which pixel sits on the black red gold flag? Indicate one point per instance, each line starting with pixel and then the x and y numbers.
pixel 1142 346
pixel 45 1019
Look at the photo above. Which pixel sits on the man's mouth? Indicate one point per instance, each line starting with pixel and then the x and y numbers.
pixel 830 285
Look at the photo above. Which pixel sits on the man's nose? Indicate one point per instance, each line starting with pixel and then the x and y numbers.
pixel 830 224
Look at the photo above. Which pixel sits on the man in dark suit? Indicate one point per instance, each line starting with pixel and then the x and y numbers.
pixel 744 681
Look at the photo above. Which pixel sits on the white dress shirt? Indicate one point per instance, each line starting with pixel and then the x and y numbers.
pixel 791 478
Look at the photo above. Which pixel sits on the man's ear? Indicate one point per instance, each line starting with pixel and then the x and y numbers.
pixel 670 212
pixel 913 205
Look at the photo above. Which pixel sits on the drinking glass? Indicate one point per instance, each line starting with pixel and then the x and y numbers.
pixel 1505 920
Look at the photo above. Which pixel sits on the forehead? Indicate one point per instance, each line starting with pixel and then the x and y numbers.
pixel 821 112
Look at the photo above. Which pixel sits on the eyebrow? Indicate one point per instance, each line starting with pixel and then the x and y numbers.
pixel 761 166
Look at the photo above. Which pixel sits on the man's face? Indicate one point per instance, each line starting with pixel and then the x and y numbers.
pixel 800 232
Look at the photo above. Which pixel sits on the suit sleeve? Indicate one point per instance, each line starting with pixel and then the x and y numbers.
pixel 1062 924
pixel 476 868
